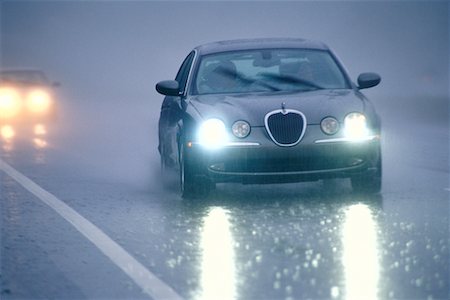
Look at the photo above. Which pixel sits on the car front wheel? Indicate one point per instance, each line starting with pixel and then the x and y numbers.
pixel 186 176
pixel 192 185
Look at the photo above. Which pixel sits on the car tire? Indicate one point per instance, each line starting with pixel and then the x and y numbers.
pixel 168 174
pixel 192 185
pixel 369 182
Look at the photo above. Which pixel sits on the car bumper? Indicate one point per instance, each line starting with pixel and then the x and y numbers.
pixel 315 157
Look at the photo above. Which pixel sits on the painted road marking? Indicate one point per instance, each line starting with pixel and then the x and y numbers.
pixel 447 189
pixel 145 279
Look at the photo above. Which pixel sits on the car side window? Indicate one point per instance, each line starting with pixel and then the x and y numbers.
pixel 183 73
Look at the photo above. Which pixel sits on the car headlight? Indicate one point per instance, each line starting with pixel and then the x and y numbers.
pixel 355 126
pixel 212 133
pixel 240 129
pixel 10 103
pixel 329 125
pixel 38 101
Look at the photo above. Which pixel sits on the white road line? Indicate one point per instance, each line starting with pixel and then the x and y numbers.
pixel 447 189
pixel 145 279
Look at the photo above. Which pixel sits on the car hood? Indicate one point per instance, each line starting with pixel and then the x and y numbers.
pixel 315 105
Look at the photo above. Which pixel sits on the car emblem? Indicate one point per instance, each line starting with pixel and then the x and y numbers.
pixel 283 108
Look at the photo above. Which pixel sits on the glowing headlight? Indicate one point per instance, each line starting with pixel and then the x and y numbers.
pixel 10 103
pixel 241 129
pixel 329 125
pixel 38 101
pixel 355 126
pixel 212 133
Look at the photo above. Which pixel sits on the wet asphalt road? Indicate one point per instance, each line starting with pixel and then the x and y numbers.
pixel 292 241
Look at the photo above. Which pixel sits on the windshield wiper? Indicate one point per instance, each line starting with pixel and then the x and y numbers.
pixel 246 80
pixel 292 79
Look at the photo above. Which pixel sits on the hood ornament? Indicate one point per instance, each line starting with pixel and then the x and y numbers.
pixel 283 108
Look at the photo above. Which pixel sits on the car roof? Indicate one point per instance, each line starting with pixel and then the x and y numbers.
pixel 24 75
pixel 20 70
pixel 262 43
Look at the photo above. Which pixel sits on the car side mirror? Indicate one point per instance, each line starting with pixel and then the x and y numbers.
pixel 368 80
pixel 168 88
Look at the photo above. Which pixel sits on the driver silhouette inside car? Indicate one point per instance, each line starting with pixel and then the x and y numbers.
pixel 219 78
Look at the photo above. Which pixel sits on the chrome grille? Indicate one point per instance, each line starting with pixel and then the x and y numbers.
pixel 285 127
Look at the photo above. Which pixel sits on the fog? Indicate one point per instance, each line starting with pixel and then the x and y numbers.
pixel 109 55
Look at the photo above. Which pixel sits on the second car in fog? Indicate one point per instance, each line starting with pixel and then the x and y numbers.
pixel 27 104
pixel 268 111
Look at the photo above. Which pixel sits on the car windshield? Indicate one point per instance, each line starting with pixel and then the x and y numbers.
pixel 267 70
pixel 24 77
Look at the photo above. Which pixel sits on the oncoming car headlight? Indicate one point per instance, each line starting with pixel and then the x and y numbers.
pixel 38 101
pixel 212 133
pixel 240 129
pixel 10 103
pixel 355 126
pixel 329 125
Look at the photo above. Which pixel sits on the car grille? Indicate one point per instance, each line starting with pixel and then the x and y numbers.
pixel 285 128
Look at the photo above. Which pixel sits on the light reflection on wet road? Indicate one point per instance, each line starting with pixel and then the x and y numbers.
pixel 305 245
pixel 218 274
pixel 360 253
pixel 35 135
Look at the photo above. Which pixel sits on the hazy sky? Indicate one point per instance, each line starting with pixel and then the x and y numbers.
pixel 122 47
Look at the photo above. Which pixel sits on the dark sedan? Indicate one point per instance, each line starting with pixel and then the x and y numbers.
pixel 268 111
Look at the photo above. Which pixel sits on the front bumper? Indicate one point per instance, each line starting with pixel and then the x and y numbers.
pixel 259 160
